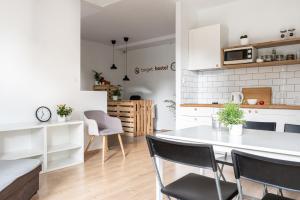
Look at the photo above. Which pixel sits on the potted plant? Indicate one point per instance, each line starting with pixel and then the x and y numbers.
pixel 63 112
pixel 116 94
pixel 97 77
pixel 232 117
pixel 171 106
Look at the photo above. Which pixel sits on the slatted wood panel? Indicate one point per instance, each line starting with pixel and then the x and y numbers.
pixel 108 88
pixel 136 116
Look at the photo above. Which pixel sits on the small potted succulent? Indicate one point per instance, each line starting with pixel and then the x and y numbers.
pixel 244 40
pixel 232 117
pixel 98 77
pixel 116 94
pixel 63 112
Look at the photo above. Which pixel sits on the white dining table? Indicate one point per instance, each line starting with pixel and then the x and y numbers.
pixel 285 146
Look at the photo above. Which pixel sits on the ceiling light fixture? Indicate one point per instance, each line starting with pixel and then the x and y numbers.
pixel 102 3
pixel 126 77
pixel 113 67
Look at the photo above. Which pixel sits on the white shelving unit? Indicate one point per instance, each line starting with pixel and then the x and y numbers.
pixel 57 145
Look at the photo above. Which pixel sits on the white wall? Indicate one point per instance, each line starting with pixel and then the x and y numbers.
pixel 40 59
pixel 97 56
pixel 155 85
pixel 261 20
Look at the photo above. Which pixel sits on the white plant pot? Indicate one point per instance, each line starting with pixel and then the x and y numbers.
pixel 244 41
pixel 236 129
pixel 61 118
pixel 115 98
pixel 68 118
pixel 96 82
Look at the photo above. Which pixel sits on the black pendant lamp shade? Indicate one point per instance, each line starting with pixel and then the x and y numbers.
pixel 126 78
pixel 113 67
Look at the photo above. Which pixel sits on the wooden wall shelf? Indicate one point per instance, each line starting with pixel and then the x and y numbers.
pixel 263 64
pixel 108 88
pixel 261 45
pixel 274 43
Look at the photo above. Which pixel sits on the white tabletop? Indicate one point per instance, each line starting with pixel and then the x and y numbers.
pixel 266 141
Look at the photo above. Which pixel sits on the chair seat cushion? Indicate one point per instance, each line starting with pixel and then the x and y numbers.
pixel 10 170
pixel 197 187
pixel 108 132
pixel 270 196
pixel 225 160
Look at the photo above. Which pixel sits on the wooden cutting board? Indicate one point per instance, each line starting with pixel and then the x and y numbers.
pixel 261 94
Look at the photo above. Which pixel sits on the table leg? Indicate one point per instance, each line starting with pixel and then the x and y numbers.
pixel 160 169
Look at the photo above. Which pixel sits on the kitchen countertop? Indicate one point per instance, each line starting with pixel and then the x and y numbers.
pixel 272 106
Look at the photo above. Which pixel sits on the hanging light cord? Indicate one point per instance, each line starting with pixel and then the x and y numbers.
pixel 113 53
pixel 126 58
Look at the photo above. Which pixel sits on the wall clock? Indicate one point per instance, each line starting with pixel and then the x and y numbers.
pixel 43 114
pixel 173 66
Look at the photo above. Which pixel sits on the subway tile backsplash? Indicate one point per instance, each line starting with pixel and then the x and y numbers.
pixel 216 85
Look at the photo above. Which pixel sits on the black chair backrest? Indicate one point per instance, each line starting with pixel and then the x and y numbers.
pixel 135 97
pixel 292 128
pixel 197 155
pixel 278 173
pixel 266 126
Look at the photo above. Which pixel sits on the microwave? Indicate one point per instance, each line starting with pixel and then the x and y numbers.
pixel 240 55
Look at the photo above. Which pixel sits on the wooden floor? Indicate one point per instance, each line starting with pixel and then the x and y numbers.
pixel 132 178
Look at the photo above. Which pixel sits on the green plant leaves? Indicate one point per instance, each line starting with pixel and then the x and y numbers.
pixel 231 115
pixel 63 110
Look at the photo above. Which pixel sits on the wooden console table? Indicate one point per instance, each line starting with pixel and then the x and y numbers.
pixel 136 116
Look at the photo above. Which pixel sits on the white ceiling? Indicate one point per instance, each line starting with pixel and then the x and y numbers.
pixel 138 19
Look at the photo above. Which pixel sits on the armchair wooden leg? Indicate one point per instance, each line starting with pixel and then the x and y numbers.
pixel 90 142
pixel 121 144
pixel 104 144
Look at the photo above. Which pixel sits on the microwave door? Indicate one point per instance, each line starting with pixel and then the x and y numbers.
pixel 235 55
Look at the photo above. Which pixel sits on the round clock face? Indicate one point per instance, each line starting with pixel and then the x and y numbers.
pixel 173 66
pixel 43 114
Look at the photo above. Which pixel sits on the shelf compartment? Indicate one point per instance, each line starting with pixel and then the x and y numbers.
pixel 63 147
pixel 64 159
pixel 21 143
pixel 20 154
pixel 62 163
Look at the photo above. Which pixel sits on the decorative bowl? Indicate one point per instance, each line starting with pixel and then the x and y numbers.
pixel 252 101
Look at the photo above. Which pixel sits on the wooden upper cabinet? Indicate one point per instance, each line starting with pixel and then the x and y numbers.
pixel 205 46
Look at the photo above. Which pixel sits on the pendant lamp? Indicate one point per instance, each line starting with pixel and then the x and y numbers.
pixel 113 67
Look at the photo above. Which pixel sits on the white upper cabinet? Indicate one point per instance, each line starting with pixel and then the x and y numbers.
pixel 205 46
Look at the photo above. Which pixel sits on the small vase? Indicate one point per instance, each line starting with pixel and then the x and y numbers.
pixel 115 98
pixel 96 82
pixel 244 41
pixel 61 118
pixel 236 129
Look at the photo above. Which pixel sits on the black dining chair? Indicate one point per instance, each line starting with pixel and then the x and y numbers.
pixel 266 171
pixel 292 128
pixel 191 186
pixel 265 126
pixel 227 160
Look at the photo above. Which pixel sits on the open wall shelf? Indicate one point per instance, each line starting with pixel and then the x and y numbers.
pixel 262 45
pixel 263 64
pixel 269 44
pixel 57 145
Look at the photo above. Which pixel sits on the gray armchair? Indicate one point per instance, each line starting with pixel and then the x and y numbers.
pixel 101 124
